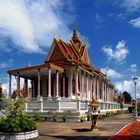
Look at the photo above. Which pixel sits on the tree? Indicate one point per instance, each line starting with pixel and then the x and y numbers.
pixel 127 97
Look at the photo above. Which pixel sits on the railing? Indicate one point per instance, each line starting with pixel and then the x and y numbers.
pixel 65 104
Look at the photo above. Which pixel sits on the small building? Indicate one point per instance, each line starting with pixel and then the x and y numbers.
pixel 66 74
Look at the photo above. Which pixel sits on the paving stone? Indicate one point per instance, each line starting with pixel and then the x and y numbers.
pixel 81 130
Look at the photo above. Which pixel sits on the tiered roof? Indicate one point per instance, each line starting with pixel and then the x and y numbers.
pixel 73 53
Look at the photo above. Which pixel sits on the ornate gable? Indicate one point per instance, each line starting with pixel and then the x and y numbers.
pixel 57 55
pixel 56 52
pixel 73 53
pixel 85 57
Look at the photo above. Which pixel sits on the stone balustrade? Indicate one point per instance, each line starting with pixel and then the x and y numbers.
pixel 62 105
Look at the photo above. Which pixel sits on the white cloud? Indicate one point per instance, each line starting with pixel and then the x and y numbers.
pixel 128 85
pixel 111 73
pixel 130 5
pixel 133 68
pixel 135 22
pixel 30 24
pixel 118 54
pixel 7 64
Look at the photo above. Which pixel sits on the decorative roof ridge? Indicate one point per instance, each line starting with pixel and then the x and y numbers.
pixel 51 49
pixel 65 47
pixel 74 49
pixel 58 43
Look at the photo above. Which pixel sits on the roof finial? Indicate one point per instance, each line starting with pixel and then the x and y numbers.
pixel 54 35
pixel 74 31
pixel 75 37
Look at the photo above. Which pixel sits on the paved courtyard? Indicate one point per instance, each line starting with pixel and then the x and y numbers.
pixel 81 130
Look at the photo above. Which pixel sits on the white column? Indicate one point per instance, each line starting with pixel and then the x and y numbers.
pixel 57 83
pixel 76 81
pixel 102 90
pixel 38 95
pixel 87 86
pixel 91 95
pixel 10 79
pixel 49 82
pixel 97 86
pixel 64 85
pixel 94 95
pixel 70 86
pixel 113 92
pixel 18 84
pixel 82 86
pixel 107 94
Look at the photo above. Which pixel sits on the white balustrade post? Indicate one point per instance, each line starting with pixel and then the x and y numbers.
pixel 41 104
pixel 58 105
pixel 78 105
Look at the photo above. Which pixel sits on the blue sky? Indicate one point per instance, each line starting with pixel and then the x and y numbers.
pixel 110 28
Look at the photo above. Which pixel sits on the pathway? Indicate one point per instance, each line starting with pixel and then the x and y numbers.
pixel 81 130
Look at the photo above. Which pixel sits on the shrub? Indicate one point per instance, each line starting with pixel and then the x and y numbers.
pixel 16 121
pixel 37 116
pixel 88 114
pixel 16 125
pixel 82 118
pixel 64 117
pixel 45 117
pixel 55 117
pixel 107 114
pixel 14 108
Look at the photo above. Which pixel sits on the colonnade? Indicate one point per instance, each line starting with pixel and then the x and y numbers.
pixel 38 77
pixel 92 86
pixel 87 86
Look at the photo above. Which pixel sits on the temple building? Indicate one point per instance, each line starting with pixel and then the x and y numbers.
pixel 65 74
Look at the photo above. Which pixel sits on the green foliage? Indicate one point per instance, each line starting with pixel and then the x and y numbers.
pixel 64 117
pixel 82 118
pixel 88 114
pixel 45 117
pixel 16 121
pixel 55 117
pixel 14 108
pixel 112 113
pixel 108 114
pixel 16 125
pixel 130 109
pixel 127 97
pixel 37 116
